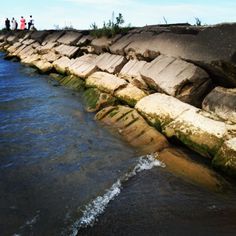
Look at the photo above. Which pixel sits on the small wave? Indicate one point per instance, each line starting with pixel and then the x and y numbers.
pixel 98 205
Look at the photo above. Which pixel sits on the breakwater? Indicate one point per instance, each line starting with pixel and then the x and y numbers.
pixel 152 84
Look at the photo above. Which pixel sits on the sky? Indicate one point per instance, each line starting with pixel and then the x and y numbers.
pixel 80 14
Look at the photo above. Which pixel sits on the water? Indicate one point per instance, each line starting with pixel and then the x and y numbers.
pixel 62 173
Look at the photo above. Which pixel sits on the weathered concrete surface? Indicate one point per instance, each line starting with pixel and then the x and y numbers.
pixel 131 73
pixel 185 122
pixel 62 64
pixel 70 38
pixel 200 133
pixel 110 63
pixel 105 82
pixel 160 109
pixel 66 50
pixel 222 102
pixel 51 56
pixel 133 128
pixel 177 78
pixel 43 65
pixel 102 44
pixel 130 94
pixel 84 40
pixel 83 66
pixel 53 37
pixel 225 159
pixel 46 48
pixel 39 36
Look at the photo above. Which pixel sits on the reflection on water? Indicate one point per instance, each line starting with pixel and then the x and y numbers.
pixel 55 160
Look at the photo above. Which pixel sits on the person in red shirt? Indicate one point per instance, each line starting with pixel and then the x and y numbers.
pixel 22 23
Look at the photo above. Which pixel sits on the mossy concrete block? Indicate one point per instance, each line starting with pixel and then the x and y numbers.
pixel 225 158
pixel 105 82
pixel 133 128
pixel 160 109
pixel 202 134
pixel 73 82
pixel 130 94
pixel 95 100
pixel 57 77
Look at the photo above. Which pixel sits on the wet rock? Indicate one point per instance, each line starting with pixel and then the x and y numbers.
pixel 177 78
pixel 110 63
pixel 222 102
pixel 180 163
pixel 73 82
pixel 95 100
pixel 105 82
pixel 225 158
pixel 83 66
pixel 131 73
pixel 133 128
pixel 70 38
pixel 130 94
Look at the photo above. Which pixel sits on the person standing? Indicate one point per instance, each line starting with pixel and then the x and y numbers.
pixel 7 24
pixel 13 24
pixel 22 23
pixel 30 23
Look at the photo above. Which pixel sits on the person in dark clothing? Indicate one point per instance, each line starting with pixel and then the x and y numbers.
pixel 7 24
pixel 30 23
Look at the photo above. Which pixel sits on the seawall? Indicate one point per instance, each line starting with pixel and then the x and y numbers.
pixel 151 84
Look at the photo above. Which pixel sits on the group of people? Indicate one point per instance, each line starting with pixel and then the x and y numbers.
pixel 13 25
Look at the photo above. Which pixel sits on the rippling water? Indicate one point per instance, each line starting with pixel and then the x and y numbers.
pixel 61 173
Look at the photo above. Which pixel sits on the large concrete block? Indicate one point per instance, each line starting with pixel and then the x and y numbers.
pixel 70 38
pixel 200 133
pixel 43 65
pixel 39 36
pixel 161 109
pixel 50 56
pixel 177 78
pixel 83 66
pixel 222 102
pixel 62 64
pixel 53 37
pixel 131 72
pixel 66 50
pixel 105 82
pixel 110 63
pixel 130 94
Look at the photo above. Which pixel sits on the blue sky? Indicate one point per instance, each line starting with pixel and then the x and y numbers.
pixel 81 13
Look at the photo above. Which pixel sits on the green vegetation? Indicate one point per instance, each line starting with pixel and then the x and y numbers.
pixel 111 28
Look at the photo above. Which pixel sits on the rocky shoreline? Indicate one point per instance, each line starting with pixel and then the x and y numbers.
pixel 151 84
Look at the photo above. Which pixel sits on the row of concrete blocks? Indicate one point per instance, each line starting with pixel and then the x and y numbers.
pixel 197 129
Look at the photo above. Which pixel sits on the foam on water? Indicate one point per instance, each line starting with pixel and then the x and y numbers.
pixel 98 205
